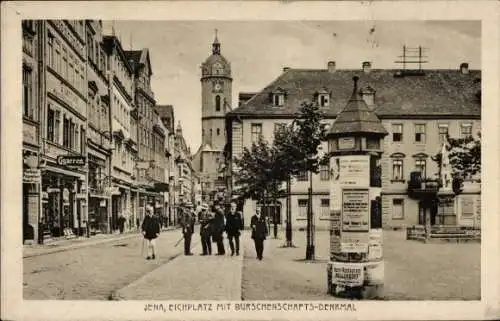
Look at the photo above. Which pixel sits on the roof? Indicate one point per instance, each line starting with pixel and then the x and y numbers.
pixel 166 111
pixel 438 92
pixel 356 117
pixel 111 42
pixel 137 58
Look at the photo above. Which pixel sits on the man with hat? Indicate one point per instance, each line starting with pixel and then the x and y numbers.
pixel 206 229
pixel 187 224
pixel 218 228
pixel 150 230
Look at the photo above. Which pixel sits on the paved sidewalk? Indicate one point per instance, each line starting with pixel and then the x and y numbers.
pixel 190 278
pixel 78 242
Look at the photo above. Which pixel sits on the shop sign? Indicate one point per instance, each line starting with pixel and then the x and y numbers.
pixel 347 274
pixel 354 170
pixel 71 160
pixel 81 196
pixel 32 176
pixel 335 195
pixel 347 143
pixel 355 210
pixel 374 273
pixel 53 190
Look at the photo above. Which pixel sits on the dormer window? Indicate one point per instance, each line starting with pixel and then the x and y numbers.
pixel 323 97
pixel 368 95
pixel 278 97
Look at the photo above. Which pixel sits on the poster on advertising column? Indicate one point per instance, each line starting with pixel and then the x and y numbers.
pixel 355 220
pixel 354 170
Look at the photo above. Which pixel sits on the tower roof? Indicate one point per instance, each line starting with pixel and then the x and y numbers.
pixel 356 117
pixel 216 64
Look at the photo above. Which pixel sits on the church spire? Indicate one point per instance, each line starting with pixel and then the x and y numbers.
pixel 216 45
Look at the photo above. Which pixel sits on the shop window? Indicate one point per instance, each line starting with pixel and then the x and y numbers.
pixel 302 207
pixel 398 209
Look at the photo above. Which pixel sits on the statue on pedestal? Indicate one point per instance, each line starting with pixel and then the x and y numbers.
pixel 446 170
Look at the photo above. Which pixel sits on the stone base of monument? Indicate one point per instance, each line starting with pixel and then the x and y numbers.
pixel 369 285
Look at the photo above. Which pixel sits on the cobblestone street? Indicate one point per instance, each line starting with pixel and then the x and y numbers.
pixel 413 270
pixel 93 272
pixel 115 270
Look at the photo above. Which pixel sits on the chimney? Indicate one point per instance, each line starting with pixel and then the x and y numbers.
pixel 464 68
pixel 285 69
pixel 331 66
pixel 367 66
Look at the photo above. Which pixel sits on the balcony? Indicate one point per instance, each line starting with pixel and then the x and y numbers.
pixel 419 188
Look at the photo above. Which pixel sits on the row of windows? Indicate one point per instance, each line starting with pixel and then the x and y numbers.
pixel 97 114
pixel 420 132
pixel 122 73
pixel 66 132
pixel 126 159
pixel 398 168
pixel 397 131
pixel 65 63
pixel 121 113
pixel 96 53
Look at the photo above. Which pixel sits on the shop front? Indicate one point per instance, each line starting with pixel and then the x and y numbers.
pixel 99 200
pixel 63 203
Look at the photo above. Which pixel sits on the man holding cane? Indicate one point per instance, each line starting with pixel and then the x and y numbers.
pixel 150 230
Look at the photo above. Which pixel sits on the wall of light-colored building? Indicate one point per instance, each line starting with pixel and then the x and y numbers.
pixel 391 189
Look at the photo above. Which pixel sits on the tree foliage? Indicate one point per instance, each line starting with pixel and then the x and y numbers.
pixel 465 159
pixel 264 167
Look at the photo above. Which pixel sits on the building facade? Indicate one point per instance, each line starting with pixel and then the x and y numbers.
pixel 99 148
pixel 183 171
pixel 149 170
pixel 417 110
pixel 125 149
pixel 166 115
pixel 31 102
pixel 64 128
pixel 216 97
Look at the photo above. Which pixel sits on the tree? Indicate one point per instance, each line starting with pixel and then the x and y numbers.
pixel 465 159
pixel 298 146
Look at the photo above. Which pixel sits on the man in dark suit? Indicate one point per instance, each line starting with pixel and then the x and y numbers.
pixel 234 224
pixel 205 229
pixel 187 229
pixel 150 230
pixel 218 229
pixel 259 231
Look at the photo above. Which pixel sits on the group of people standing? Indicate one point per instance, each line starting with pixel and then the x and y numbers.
pixel 214 222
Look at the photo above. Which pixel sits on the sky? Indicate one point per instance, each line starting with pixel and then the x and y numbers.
pixel 258 51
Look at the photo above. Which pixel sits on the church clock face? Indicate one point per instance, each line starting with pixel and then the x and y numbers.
pixel 217 87
pixel 218 69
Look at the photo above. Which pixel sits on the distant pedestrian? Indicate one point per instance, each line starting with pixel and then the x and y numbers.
pixel 187 230
pixel 234 224
pixel 121 223
pixel 218 229
pixel 259 232
pixel 206 225
pixel 151 230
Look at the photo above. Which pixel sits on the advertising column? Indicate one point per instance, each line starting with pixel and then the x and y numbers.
pixel 356 267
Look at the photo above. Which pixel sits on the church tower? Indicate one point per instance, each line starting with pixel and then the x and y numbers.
pixel 216 97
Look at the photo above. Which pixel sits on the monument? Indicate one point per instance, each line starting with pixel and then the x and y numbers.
pixel 356 267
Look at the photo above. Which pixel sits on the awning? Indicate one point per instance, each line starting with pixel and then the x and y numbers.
pixel 161 187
